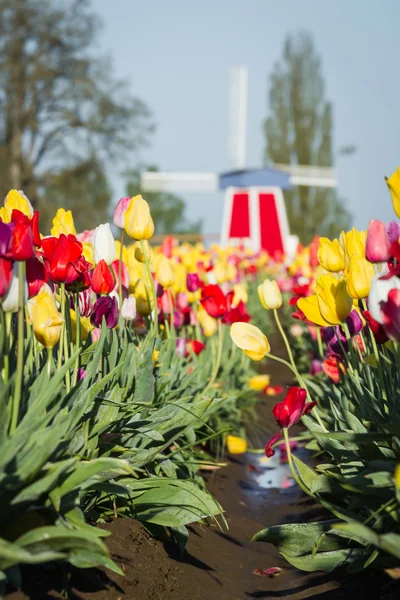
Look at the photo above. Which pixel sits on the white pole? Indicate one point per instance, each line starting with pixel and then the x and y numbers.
pixel 238 116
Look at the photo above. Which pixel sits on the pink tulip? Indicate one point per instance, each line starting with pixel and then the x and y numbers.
pixel 119 212
pixel 377 248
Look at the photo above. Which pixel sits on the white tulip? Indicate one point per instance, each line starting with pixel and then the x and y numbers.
pixel 379 292
pixel 103 244
pixel 11 299
pixel 128 311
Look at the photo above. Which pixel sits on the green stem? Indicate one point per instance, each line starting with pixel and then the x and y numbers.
pixel 290 461
pixel 77 337
pixel 319 340
pixel 153 288
pixel 120 267
pixel 219 355
pixel 49 360
pixel 63 328
pixel 20 347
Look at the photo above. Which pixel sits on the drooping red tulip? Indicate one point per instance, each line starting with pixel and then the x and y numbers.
pixel 289 412
pixel 103 281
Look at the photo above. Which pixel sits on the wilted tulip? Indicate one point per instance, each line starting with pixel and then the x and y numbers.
pixel 119 212
pixel 44 317
pixel 270 295
pixel 377 248
pixel 250 339
pixel 103 244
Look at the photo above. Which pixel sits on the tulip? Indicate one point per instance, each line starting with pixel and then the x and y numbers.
pixel 119 212
pixel 36 276
pixel 21 245
pixel 63 258
pixel 107 308
pixel 137 219
pixel 235 444
pixel 165 272
pixel 379 292
pixel 309 306
pixel 289 412
pixel 143 307
pixel 85 327
pixel 6 273
pixel 208 323
pixel 333 300
pixel 251 340
pixel 359 277
pixel 235 314
pixel 330 254
pixel 377 329
pixel 128 310
pixel 270 295
pixel 11 299
pixel 390 311
pixel 195 346
pixel 63 223
pixel 258 383
pixel 86 300
pixel 377 247
pixel 103 280
pixel 180 347
pixel 5 237
pixel 103 244
pixel 44 317
pixel 393 231
pixel 192 282
pixel 393 184
pixel 214 301
pixel 15 201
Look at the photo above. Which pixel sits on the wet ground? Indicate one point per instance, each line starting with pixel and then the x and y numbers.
pixel 218 563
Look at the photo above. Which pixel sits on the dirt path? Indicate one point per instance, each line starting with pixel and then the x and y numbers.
pixel 217 564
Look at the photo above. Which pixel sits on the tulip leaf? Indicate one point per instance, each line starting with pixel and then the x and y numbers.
pixel 327 561
pixel 297 539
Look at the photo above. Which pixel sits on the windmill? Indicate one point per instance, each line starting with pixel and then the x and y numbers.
pixel 254 208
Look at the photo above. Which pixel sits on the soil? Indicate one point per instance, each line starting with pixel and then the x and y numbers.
pixel 218 563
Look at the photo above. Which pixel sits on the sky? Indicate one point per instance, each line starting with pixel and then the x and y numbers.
pixel 177 56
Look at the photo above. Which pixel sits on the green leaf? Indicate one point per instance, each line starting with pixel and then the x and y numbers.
pixel 327 561
pixel 296 539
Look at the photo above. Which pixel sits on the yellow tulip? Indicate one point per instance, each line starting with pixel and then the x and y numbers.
pixel 44 317
pixel 165 272
pixel 125 252
pixel 397 476
pixel 138 222
pixel 220 272
pixel 258 383
pixel 359 277
pixel 353 242
pixel 331 255
pixel 155 356
pixel 18 201
pixel 270 294
pixel 310 308
pixel 142 292
pixel 250 339
pixel 85 326
pixel 143 307
pixel 87 251
pixel 139 255
pixel 235 444
pixel 240 294
pixel 334 302
pixel 208 323
pixel 63 222
pixel 393 184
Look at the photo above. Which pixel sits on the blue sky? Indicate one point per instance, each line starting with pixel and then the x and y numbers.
pixel 177 56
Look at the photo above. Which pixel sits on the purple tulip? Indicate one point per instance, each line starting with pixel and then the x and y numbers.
pixel 192 282
pixel 106 307
pixel 393 231
pixel 181 347
pixel 5 235
pixel 354 323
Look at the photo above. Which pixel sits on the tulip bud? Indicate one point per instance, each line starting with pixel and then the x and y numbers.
pixel 103 280
pixel 139 255
pixel 250 339
pixel 63 222
pixel 236 445
pixel 103 244
pixel 377 247
pixel 330 255
pixel 270 295
pixel 333 299
pixel 192 282
pixel 106 307
pixel 45 319
pixel 11 299
pixel 393 184
pixel 137 219
pixel 165 273
pixel 119 212
pixel 128 311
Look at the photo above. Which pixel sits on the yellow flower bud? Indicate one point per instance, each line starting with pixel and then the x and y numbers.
pixel 138 222
pixel 63 222
pixel 165 272
pixel 45 319
pixel 270 294
pixel 333 300
pixel 250 339
pixel 235 444
pixel 139 255
pixel 331 255
pixel 393 184
pixel 359 277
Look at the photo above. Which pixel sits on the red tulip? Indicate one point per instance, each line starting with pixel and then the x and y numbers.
pixel 21 245
pixel 236 314
pixel 214 301
pixel 64 260
pixel 103 280
pixel 289 412
pixel 195 346
pixel 376 328
pixel 390 311
pixel 36 276
pixel 6 271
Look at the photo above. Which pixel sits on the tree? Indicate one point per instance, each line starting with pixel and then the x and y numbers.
pixel 167 210
pixel 61 111
pixel 299 131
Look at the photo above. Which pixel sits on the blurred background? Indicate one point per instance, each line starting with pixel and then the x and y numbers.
pixel 92 93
